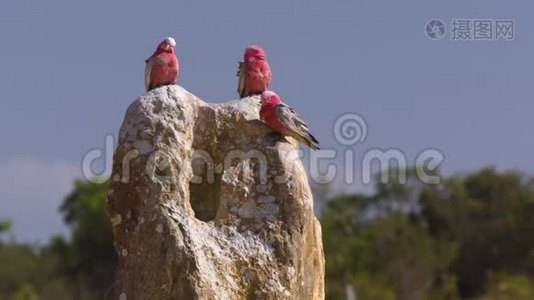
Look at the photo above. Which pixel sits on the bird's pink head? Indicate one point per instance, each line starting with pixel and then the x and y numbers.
pixel 270 98
pixel 167 45
pixel 254 51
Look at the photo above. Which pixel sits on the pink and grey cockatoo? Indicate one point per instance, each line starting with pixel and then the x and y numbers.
pixel 162 67
pixel 283 119
pixel 253 72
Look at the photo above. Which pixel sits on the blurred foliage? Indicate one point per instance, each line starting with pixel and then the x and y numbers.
pixel 5 226
pixel 81 267
pixel 503 286
pixel 91 254
pixel 468 237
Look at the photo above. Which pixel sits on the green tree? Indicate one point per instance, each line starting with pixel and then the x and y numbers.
pixel 80 267
pixel 90 256
pixel 382 245
pixel 387 257
pixel 5 226
pixel 502 286
pixel 490 215
pixel 344 245
pixel 19 265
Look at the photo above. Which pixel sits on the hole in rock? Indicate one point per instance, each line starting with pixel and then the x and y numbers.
pixel 205 186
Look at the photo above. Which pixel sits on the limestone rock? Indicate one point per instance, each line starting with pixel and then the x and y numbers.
pixel 207 204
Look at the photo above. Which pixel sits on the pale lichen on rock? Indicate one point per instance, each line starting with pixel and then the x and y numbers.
pixel 217 208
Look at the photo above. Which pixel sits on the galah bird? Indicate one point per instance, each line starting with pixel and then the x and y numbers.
pixel 283 119
pixel 253 72
pixel 162 67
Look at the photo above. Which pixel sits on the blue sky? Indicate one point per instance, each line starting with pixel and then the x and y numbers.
pixel 69 70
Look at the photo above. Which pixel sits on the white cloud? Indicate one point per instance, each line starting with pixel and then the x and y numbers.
pixel 31 192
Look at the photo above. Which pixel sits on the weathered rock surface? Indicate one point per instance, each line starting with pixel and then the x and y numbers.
pixel 206 204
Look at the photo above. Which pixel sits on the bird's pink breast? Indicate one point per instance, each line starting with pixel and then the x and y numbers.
pixel 258 75
pixel 268 115
pixel 165 69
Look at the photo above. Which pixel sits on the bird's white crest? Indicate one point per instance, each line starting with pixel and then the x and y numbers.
pixel 171 42
pixel 268 94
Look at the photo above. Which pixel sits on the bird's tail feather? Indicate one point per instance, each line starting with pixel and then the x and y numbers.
pixel 309 140
pixel 313 142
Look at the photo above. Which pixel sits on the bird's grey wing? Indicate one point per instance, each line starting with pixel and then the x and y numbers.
pixel 242 79
pixel 287 116
pixel 149 68
pixel 290 117
pixel 297 128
